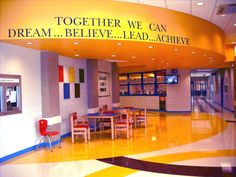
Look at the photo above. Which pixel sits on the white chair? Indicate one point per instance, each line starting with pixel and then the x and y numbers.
pixel 79 128
pixel 142 118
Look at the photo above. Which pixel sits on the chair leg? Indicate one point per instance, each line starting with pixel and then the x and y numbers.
pixel 50 143
pixel 131 131
pixel 89 134
pixel 72 137
pixel 39 143
pixel 86 135
pixel 127 132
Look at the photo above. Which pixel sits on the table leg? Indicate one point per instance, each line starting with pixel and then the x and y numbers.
pixel 95 125
pixel 112 128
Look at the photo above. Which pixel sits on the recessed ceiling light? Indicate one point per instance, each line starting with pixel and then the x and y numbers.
pixel 210 58
pixel 153 59
pixel 119 44
pixel 150 46
pixel 162 61
pixel 222 15
pixel 199 3
pixel 235 24
pixel 76 55
pixel 113 55
pixel 29 43
pixel 76 43
pixel 204 55
pixel 233 42
pixel 193 52
pixel 133 56
pixel 176 49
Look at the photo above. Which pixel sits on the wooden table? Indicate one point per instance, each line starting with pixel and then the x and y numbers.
pixel 105 116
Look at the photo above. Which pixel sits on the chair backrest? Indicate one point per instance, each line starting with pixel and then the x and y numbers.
pixel 73 119
pixel 43 126
pixel 105 108
pixel 124 111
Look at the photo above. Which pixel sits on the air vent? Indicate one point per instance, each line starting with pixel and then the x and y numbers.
pixel 226 9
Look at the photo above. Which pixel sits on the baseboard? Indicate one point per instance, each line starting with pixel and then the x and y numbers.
pixel 179 112
pixel 32 148
pixel 224 107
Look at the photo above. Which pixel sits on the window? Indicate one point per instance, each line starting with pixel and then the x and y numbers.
pixel 123 79
pixel 10 94
pixel 135 78
pixel 123 90
pixel 149 83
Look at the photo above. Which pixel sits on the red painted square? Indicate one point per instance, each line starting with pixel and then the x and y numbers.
pixel 61 73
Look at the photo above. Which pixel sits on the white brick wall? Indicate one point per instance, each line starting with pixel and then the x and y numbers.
pixel 79 105
pixel 19 131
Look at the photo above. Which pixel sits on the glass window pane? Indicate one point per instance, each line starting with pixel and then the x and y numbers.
pixel 135 89
pixel 12 98
pixel 123 79
pixel 135 78
pixel 148 78
pixel 1 99
pixel 149 89
pixel 124 90
pixel 161 89
pixel 161 77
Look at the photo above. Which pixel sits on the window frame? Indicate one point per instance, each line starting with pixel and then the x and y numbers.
pixel 3 97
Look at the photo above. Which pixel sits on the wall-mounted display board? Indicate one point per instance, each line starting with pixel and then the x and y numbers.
pixel 146 83
pixel 10 94
pixel 103 84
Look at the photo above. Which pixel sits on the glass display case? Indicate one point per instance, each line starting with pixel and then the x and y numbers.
pixel 161 89
pixel 124 90
pixel 135 78
pixel 144 83
pixel 135 90
pixel 149 78
pixel 123 79
pixel 149 89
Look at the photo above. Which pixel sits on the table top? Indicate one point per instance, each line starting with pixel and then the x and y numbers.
pixel 101 115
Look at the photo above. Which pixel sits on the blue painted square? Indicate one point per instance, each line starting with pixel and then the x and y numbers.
pixel 66 88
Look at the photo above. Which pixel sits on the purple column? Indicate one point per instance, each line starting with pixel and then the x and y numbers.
pixel 115 86
pixel 92 83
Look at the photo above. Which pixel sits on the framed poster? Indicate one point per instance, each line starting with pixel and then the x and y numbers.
pixel 103 84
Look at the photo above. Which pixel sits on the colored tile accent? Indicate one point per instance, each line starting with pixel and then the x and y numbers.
pixel 77 90
pixel 81 75
pixel 71 74
pixel 61 73
pixel 165 168
pixel 66 88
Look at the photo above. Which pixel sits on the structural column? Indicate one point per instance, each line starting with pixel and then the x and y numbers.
pixel 234 86
pixel 115 86
pixel 92 83
pixel 50 90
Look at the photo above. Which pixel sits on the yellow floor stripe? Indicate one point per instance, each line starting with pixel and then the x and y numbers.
pixel 114 171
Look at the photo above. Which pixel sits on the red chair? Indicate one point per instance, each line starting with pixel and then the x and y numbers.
pixel 124 124
pixel 43 123
pixel 79 128
pixel 142 118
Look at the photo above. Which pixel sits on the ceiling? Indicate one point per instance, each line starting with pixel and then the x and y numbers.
pixel 133 56
pixel 208 12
